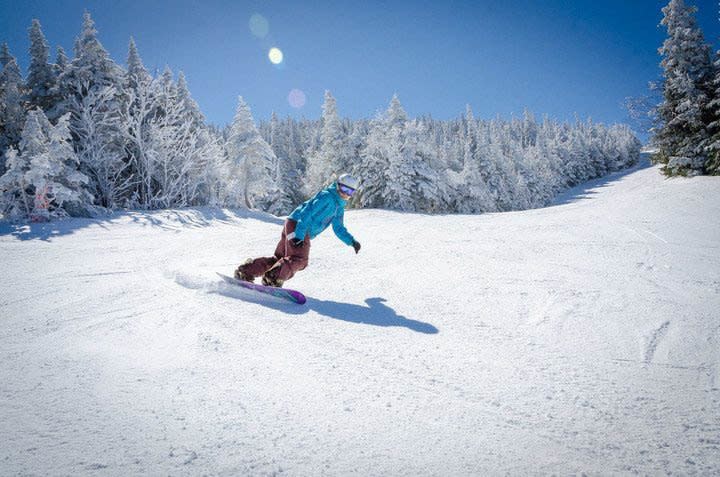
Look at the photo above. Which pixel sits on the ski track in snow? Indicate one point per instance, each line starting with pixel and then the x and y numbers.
pixel 578 338
pixel 654 341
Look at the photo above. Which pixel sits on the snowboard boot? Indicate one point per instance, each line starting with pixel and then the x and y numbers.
pixel 270 278
pixel 241 273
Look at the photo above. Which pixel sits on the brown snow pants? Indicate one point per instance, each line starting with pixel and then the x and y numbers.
pixel 288 258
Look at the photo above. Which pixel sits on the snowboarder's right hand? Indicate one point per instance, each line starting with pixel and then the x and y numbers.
pixel 296 242
pixel 356 246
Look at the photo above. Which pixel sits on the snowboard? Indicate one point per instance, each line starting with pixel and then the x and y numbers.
pixel 284 293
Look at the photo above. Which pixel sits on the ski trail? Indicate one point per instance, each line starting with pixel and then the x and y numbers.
pixel 640 231
pixel 654 341
pixel 713 370
pixel 541 315
pixel 655 235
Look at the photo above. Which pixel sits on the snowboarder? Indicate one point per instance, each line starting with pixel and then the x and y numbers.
pixel 306 222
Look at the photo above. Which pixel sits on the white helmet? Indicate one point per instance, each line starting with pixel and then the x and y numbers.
pixel 348 181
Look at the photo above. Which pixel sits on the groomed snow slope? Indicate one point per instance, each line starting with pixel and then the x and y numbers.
pixel 583 337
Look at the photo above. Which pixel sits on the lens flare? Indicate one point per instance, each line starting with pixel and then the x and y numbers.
pixel 296 98
pixel 259 25
pixel 275 55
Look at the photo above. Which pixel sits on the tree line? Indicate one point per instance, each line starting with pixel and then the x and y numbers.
pixel 82 135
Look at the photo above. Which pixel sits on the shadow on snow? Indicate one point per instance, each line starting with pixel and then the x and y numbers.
pixel 587 189
pixel 171 220
pixel 375 313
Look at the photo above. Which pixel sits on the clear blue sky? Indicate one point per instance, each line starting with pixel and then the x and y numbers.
pixel 554 57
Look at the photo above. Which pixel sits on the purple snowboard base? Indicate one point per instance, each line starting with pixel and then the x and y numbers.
pixel 284 293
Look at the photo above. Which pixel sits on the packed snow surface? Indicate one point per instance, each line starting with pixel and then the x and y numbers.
pixel 583 337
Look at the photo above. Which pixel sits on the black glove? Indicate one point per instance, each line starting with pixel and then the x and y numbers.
pixel 296 242
pixel 356 246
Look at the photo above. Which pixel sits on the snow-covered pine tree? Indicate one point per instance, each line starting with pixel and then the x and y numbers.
pixel 9 74
pixel 42 78
pixel 15 200
pixel 620 138
pixel 428 186
pixel 168 87
pixel 333 157
pixel 470 191
pixel 542 181
pixel 397 192
pixel 212 181
pixel 99 131
pixel 529 130
pixel 12 111
pixel 252 164
pixel 583 167
pixel 22 198
pixel 91 68
pixel 398 188
pixel 275 137
pixel 357 142
pixel 91 89
pixel 498 165
pixel 682 135
pixel 712 164
pixel 550 173
pixel 175 163
pixel 182 158
pixel 381 158
pixel 136 73
pixel 395 169
pixel 191 110
pixel 288 177
pixel 5 55
pixel 57 173
pixel 167 78
pixel 207 176
pixel 61 62
pixel 43 180
pixel 612 150
pixel 396 115
pixel 137 110
pixel 599 161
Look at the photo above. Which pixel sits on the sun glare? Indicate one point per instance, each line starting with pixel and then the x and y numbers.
pixel 259 25
pixel 296 98
pixel 275 55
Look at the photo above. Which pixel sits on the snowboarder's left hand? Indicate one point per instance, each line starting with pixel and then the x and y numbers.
pixel 356 246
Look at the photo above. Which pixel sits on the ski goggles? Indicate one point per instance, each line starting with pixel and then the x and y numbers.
pixel 349 191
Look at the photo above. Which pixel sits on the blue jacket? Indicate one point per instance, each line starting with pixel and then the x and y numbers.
pixel 316 214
